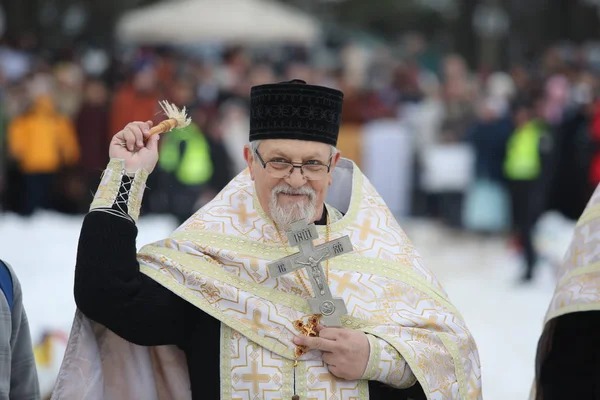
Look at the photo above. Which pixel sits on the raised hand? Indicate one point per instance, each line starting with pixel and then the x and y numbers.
pixel 136 146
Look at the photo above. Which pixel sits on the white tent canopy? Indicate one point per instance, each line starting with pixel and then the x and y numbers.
pixel 222 21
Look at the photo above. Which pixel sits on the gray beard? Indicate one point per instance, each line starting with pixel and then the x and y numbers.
pixel 285 215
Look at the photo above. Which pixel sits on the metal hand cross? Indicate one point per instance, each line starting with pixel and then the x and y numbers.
pixel 302 235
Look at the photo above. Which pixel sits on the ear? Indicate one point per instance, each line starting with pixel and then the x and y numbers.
pixel 334 162
pixel 249 157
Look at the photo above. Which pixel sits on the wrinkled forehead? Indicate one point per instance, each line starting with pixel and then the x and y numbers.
pixel 294 148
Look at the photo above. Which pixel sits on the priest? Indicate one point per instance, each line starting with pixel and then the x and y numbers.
pixel 203 315
pixel 568 355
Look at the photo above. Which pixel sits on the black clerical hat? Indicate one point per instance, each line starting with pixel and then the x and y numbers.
pixel 295 110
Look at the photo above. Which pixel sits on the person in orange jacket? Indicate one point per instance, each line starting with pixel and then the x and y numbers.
pixel 42 141
pixel 136 100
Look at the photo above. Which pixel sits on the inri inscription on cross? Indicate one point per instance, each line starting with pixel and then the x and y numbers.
pixel 310 257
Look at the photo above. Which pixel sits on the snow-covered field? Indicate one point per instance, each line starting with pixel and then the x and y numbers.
pixel 479 275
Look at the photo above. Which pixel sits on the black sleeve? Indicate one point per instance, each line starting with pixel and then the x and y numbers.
pixel 111 290
pixel 572 363
pixel 379 391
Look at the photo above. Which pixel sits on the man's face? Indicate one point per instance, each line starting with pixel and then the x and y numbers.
pixel 294 197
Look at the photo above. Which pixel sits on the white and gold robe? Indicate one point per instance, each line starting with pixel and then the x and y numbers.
pixel 578 286
pixel 217 261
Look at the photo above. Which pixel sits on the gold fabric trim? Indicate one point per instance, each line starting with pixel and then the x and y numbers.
pixel 374 358
pixel 270 343
pixel 580 272
pixel 134 202
pixel 589 215
pixel 334 215
pixel 588 269
pixel 301 380
pixel 410 360
pixel 349 262
pixel 406 377
pixel 458 366
pixel 354 263
pixel 225 367
pixel 573 308
pixel 202 266
pixel 288 378
pixel 363 390
pixel 109 184
pixel 108 190
pixel 391 369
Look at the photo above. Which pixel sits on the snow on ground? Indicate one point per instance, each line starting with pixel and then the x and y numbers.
pixel 479 275
pixel 42 252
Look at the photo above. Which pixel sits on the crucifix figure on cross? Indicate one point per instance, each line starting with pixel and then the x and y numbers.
pixel 310 257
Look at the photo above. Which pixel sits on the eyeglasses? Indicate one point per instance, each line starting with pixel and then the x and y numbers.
pixel 312 170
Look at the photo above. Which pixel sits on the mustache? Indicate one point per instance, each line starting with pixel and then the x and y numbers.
pixel 285 189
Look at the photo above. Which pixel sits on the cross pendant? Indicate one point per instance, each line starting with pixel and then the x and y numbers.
pixel 310 257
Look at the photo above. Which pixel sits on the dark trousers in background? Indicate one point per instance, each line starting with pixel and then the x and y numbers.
pixel 450 208
pixel 169 196
pixel 38 192
pixel 526 210
pixel 446 207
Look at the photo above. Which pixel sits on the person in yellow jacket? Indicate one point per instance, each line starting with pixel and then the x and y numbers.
pixel 526 155
pixel 41 141
pixel 186 168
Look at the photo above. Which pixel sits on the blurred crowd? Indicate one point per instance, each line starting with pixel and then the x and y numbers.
pixel 526 137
